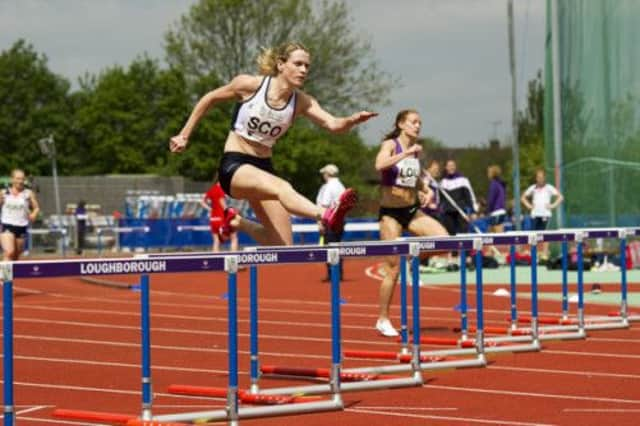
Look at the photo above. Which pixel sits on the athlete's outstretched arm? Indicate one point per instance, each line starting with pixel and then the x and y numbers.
pixel 240 86
pixel 309 107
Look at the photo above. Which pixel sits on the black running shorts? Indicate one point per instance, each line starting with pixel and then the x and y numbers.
pixel 231 161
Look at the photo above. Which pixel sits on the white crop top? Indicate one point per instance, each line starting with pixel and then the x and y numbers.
pixel 254 119
pixel 15 208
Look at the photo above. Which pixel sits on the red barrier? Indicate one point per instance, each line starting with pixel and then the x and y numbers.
pixel 92 416
pixel 244 396
pixel 394 356
pixel 323 373
pixel 547 320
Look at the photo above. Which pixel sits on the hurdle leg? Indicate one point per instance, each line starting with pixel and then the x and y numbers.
pixel 534 290
pixel 415 309
pixel 336 347
pixel 565 281
pixel 147 393
pixel 479 302
pixel 404 335
pixel 253 314
pixel 7 342
pixel 464 321
pixel 623 277
pixel 512 281
pixel 231 266
pixel 580 248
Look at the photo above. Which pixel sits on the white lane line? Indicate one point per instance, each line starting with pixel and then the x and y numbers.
pixel 32 409
pixel 568 372
pixel 601 410
pixel 263 302
pixel 380 342
pixel 612 340
pixel 593 354
pixel 120 364
pixel 397 408
pixel 101 390
pixel 170 348
pixel 322 325
pixel 532 394
pixel 465 420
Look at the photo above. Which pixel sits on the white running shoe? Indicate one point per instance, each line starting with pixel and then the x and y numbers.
pixel 385 328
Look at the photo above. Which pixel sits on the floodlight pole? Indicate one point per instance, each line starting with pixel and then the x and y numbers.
pixel 515 149
pixel 48 148
pixel 557 106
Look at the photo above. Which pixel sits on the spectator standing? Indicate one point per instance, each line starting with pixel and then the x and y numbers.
pixel 541 194
pixel 328 196
pixel 496 199
pixel 460 194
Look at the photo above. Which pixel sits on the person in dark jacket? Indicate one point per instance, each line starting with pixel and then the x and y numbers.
pixel 456 188
pixel 496 211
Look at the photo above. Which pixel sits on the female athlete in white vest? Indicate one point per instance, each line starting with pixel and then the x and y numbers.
pixel 19 207
pixel 267 106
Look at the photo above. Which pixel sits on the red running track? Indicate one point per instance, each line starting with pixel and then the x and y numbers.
pixel 77 347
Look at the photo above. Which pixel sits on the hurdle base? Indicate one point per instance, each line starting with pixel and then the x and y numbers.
pixel 414 381
pixel 335 404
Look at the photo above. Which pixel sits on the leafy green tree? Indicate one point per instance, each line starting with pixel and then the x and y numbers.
pixel 531 131
pixel 125 117
pixel 222 38
pixel 34 105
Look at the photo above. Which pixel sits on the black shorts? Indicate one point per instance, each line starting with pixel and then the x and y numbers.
pixel 497 219
pixel 540 223
pixel 231 161
pixel 403 215
pixel 18 231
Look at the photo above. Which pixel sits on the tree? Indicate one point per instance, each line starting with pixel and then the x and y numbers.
pixel 124 119
pixel 222 38
pixel 34 105
pixel 530 124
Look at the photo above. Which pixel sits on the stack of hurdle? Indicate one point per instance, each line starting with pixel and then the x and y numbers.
pixel 361 378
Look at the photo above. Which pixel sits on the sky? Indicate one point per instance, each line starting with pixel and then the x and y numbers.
pixel 451 56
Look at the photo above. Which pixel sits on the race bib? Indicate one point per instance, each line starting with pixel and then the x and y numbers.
pixel 408 172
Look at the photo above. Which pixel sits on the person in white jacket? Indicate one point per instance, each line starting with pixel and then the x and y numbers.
pixel 328 196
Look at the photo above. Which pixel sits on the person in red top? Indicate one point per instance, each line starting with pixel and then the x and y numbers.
pixel 213 201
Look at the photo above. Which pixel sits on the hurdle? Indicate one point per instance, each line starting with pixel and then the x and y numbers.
pixel 350 380
pixel 143 265
pixel 416 360
pixel 580 322
pixel 537 323
pixel 623 313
